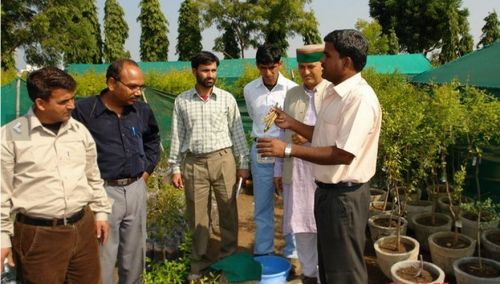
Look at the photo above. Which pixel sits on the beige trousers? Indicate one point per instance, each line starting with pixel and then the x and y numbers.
pixel 203 174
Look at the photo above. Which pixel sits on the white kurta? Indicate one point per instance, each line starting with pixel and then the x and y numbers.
pixel 298 211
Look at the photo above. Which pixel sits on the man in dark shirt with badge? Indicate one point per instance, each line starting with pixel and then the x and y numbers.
pixel 128 146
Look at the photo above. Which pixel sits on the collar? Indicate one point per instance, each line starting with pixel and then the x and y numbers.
pixel 280 82
pixel 34 122
pixel 100 107
pixel 346 86
pixel 194 93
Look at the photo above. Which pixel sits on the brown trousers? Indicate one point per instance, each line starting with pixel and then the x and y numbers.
pixel 59 254
pixel 203 173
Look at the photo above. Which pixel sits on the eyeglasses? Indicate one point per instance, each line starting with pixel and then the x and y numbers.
pixel 132 87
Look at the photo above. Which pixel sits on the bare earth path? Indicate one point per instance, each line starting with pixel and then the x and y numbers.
pixel 247 231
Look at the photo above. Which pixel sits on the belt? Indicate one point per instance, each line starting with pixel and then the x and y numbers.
pixel 341 185
pixel 121 182
pixel 209 155
pixel 21 218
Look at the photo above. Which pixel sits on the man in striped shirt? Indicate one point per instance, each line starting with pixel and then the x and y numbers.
pixel 208 139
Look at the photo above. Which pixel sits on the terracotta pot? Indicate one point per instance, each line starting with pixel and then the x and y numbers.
pixel 444 256
pixel 492 247
pixel 386 258
pixel 463 277
pixel 377 231
pixel 424 229
pixel 434 270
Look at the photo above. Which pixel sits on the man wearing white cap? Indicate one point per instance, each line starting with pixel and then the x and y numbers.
pixel 293 175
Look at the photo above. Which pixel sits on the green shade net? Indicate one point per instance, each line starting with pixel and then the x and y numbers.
pixel 480 68
pixel 160 102
pixel 8 94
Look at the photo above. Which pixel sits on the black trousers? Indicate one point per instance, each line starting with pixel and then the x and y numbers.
pixel 341 215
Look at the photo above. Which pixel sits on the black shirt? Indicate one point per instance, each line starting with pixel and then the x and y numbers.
pixel 127 145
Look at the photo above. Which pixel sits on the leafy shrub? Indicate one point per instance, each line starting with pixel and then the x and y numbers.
pixel 170 271
pixel 89 83
pixel 173 82
pixel 8 75
pixel 489 211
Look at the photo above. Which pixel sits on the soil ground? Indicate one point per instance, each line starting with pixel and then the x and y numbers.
pixel 247 231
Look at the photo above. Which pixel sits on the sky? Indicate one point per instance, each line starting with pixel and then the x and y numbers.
pixel 331 15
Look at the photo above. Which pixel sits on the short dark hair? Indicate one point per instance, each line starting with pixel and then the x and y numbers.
pixel 350 43
pixel 42 82
pixel 267 54
pixel 204 58
pixel 115 68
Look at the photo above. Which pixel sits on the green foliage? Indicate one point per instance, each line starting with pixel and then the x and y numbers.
pixel 456 38
pixel 8 75
pixel 310 32
pixel 165 211
pixel 420 25
pixel 228 45
pixel 491 30
pixel 482 119
pixel 420 125
pixel 238 17
pixel 170 271
pixel 64 32
pixel 173 82
pixel 89 83
pixel 115 32
pixel 189 34
pixel 86 31
pixel 393 42
pixel 489 210
pixel 402 140
pixel 154 30
pixel 283 18
pixel 250 73
pixel 15 16
pixel 378 43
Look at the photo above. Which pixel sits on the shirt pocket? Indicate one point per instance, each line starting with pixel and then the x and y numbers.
pixel 218 120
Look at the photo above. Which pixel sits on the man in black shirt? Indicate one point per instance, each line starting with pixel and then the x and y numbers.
pixel 128 147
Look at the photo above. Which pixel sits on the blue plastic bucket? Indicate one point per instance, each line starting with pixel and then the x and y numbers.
pixel 274 269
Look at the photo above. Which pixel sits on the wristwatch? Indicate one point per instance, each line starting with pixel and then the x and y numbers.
pixel 288 150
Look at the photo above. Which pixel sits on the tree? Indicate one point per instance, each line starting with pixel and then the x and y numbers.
pixel 85 43
pixel 419 24
pixel 491 30
pixel 16 16
pixel 228 45
pixel 115 32
pixel 310 33
pixel 64 32
pixel 393 42
pixel 189 34
pixel 283 18
pixel 238 19
pixel 456 39
pixel 154 29
pixel 378 43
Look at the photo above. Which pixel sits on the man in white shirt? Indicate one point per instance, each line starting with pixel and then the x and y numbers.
pixel 344 150
pixel 261 95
